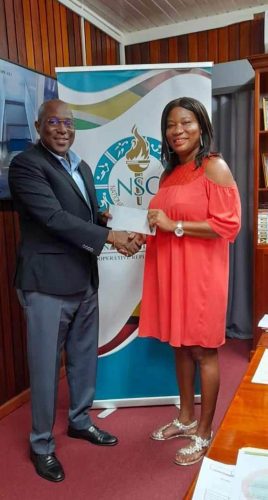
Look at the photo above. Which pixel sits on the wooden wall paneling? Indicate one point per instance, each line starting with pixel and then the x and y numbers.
pixel 108 51
pixel 51 36
pixel 115 57
pixel 182 44
pixel 93 45
pixel 154 51
pixel 16 226
pixel 28 33
pixel 173 49
pixel 20 343
pixel 11 32
pixel 24 346
pixel 117 53
pixel 77 40
pixel 7 344
pixel 44 36
pixel 17 341
pixel 128 58
pixel 98 47
pixel 257 35
pixel 192 48
pixel 135 53
pixel 101 49
pixel 37 42
pixel 245 33
pixel 213 52
pixel 3 384
pixel 128 53
pixel 223 44
pixel 14 403
pixel 164 54
pixel 88 43
pixel 3 31
pixel 234 42
pixel 218 45
pixel 20 32
pixel 202 45
pixel 71 38
pixel 104 48
pixel 22 320
pixel 20 348
pixel 145 53
pixel 64 35
pixel 139 53
pixel 58 35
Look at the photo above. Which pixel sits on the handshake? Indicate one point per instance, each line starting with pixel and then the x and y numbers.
pixel 126 243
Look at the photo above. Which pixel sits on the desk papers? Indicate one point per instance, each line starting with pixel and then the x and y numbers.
pixel 248 479
pixel 251 475
pixel 263 323
pixel 129 219
pixel 261 374
pixel 214 481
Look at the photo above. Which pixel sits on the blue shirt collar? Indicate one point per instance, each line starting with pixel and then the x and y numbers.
pixel 75 159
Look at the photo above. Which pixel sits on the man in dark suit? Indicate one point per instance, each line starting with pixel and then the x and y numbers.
pixel 62 234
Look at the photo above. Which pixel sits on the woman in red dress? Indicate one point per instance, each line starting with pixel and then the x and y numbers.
pixel 196 213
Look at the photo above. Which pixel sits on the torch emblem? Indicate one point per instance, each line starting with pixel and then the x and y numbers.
pixel 137 160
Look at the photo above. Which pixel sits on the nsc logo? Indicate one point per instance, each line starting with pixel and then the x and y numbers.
pixel 128 171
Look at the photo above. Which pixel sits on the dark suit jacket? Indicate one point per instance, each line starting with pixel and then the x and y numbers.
pixel 59 242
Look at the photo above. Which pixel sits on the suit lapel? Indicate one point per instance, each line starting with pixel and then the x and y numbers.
pixel 57 164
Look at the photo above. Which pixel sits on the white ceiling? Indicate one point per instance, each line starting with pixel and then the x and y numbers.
pixel 135 21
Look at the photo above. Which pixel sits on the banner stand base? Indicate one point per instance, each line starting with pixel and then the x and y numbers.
pixel 113 404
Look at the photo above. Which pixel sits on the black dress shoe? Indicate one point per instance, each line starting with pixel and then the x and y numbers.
pixel 48 466
pixel 94 435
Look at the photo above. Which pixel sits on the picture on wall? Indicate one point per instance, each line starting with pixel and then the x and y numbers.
pixel 21 92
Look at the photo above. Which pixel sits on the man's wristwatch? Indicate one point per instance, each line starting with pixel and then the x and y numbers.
pixel 179 229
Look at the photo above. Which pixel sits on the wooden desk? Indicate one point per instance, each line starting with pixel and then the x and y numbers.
pixel 246 420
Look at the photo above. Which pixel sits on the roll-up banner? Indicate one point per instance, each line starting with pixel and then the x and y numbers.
pixel 117 111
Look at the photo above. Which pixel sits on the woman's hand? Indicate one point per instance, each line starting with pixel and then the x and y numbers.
pixel 158 218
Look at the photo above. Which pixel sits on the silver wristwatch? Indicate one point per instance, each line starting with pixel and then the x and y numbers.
pixel 179 229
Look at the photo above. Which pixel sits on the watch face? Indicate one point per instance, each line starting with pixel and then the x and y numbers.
pixel 179 231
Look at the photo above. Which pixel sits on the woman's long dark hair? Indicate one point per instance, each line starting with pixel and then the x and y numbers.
pixel 168 157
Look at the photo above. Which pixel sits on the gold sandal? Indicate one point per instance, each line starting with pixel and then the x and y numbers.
pixel 183 430
pixel 197 450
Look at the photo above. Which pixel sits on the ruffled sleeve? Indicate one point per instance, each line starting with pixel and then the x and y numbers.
pixel 224 210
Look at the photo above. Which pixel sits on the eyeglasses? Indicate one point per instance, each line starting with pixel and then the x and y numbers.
pixel 55 122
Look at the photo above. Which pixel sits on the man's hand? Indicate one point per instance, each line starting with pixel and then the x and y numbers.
pixel 136 243
pixel 125 243
pixel 120 240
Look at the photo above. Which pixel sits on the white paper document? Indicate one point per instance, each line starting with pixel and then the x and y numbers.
pixel 263 323
pixel 214 481
pixel 251 475
pixel 261 374
pixel 129 219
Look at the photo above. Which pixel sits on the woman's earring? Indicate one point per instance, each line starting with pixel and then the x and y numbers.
pixel 201 141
